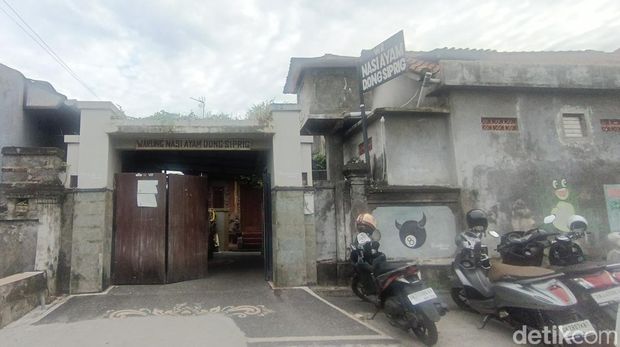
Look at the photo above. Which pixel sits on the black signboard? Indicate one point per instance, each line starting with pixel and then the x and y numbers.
pixel 384 62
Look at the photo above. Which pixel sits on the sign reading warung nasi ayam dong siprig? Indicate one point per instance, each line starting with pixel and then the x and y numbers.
pixel 195 144
pixel 384 62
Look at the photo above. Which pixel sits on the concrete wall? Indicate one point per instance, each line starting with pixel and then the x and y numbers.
pixel 325 221
pixel 501 74
pixel 48 238
pixel 92 241
pixel 18 244
pixel 13 127
pixel 19 294
pixel 419 150
pixel 292 207
pixel 31 197
pixel 329 91
pixel 511 174
pixel 376 132
pixel 96 158
pixel 289 238
pixel 286 148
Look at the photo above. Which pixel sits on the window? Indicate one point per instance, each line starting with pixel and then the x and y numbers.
pixel 304 178
pixel 573 125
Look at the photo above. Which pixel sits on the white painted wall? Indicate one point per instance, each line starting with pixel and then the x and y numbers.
pixel 97 162
pixel 306 157
pixel 286 158
pixel 73 157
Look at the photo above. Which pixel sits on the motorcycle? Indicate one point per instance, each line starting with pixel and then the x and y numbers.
pixel 399 290
pixel 596 285
pixel 522 296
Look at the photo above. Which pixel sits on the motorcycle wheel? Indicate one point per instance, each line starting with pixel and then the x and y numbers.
pixel 358 288
pixel 458 297
pixel 425 330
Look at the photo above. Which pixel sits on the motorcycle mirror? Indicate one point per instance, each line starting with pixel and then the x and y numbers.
pixel 376 235
pixel 493 233
pixel 549 219
pixel 362 238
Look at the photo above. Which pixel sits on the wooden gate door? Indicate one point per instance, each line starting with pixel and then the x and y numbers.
pixel 188 227
pixel 140 229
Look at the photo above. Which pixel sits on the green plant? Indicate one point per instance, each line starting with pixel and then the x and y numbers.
pixel 319 161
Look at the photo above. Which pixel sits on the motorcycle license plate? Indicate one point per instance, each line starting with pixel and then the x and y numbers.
pixel 606 296
pixel 422 296
pixel 581 328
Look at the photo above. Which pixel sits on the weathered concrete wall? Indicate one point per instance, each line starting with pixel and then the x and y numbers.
pixel 30 204
pixel 325 221
pixel 48 238
pixel 289 238
pixel 92 239
pixel 13 128
pixel 329 91
pixel 19 294
pixel 376 134
pixel 18 244
pixel 511 174
pixel 66 239
pixel 419 150
pixel 499 74
pixel 310 237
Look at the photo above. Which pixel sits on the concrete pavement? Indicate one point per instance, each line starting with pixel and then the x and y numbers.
pixel 456 328
pixel 234 306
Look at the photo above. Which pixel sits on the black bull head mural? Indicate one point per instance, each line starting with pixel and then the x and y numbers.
pixel 412 233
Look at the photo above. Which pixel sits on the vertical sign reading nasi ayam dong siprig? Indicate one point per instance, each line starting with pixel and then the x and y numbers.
pixel 384 62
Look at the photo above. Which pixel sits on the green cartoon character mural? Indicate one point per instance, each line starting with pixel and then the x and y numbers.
pixel 563 210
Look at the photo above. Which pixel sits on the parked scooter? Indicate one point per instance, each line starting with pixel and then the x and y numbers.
pixel 523 296
pixel 596 285
pixel 406 300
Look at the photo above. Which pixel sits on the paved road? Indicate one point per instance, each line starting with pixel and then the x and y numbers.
pixel 234 306
pixel 456 328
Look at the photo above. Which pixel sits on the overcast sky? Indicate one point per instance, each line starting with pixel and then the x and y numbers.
pixel 153 55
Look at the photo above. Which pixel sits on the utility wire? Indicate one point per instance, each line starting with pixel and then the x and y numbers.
pixel 39 40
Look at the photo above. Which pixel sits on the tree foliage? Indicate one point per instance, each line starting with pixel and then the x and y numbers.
pixel 260 111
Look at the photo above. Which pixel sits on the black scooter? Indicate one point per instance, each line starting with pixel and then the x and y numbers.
pixel 406 300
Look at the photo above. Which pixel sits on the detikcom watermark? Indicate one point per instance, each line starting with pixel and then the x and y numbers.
pixel 555 336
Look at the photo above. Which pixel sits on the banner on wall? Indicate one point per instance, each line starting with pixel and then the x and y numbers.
pixel 612 198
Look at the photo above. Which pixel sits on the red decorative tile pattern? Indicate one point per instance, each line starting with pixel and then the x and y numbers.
pixel 610 125
pixel 499 124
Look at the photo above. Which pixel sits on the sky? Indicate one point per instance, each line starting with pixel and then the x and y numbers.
pixel 156 55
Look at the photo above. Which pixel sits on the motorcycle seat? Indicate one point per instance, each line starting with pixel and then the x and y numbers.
pixel 581 268
pixel 384 267
pixel 504 272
